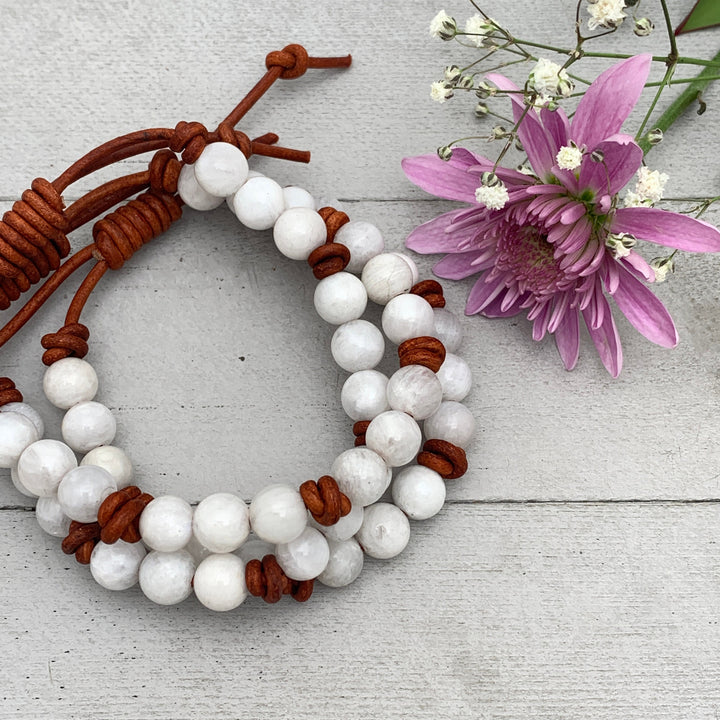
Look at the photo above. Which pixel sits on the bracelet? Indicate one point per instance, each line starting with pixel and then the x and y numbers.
pixel 321 530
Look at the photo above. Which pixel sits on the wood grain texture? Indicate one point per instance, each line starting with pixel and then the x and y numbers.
pixel 574 573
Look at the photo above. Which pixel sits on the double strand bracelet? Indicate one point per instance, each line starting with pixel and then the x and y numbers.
pixel 321 530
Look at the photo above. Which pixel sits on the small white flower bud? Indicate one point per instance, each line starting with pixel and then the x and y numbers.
pixel 597 156
pixel 443 26
pixel 452 73
pixel 490 179
pixel 643 27
pixel 662 266
pixel 620 243
pixel 465 82
pixel 485 90
pixel 481 110
pixel 499 132
pixel 519 146
pixel 441 91
pixel 655 137
pixel 444 152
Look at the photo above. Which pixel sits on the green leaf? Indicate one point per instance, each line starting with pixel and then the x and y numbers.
pixel 705 14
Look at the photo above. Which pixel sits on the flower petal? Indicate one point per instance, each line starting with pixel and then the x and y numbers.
pixel 477 165
pixel 460 265
pixel 667 228
pixel 437 235
pixel 637 265
pixel 609 100
pixel 557 124
pixel 483 292
pixel 567 338
pixel 644 311
pixel 445 179
pixel 498 308
pixel 622 158
pixel 606 339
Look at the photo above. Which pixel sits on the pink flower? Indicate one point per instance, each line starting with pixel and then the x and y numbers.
pixel 545 251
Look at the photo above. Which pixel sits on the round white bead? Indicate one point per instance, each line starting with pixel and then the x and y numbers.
pixel 16 433
pixel 344 564
pixel 278 513
pixel 407 316
pixel 259 203
pixel 192 194
pixel 419 492
pixel 255 549
pixel 357 345
pixel 339 298
pixel 82 491
pixel 221 522
pixel 395 436
pixel 51 518
pixel 411 264
pixel 29 412
pixel 43 465
pixel 197 549
pixel 18 485
pixel 70 381
pixel 364 394
pixel 221 169
pixel 385 276
pixel 456 377
pixel 116 566
pixel 166 523
pixel 385 531
pixel 362 475
pixel 298 231
pixel 305 557
pixel 346 526
pixel 114 460
pixel 416 390
pixel 363 240
pixel 219 582
pixel 298 197
pixel 166 578
pixel 448 329
pixel 87 425
pixel 451 422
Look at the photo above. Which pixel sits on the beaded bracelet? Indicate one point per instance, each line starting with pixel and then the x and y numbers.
pixel 321 530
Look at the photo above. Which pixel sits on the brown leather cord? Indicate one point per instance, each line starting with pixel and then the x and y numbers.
pixel 267 580
pixel 359 430
pixel 424 350
pixel 326 503
pixel 431 290
pixel 331 257
pixel 119 514
pixel 8 392
pixel 444 458
pixel 80 540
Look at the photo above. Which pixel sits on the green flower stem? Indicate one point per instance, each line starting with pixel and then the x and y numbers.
pixel 685 99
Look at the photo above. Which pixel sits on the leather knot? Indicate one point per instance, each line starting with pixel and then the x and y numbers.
pixel 359 430
pixel 331 257
pixel 189 138
pixel 81 540
pixel 226 133
pixel 333 219
pixel 119 515
pixel 69 341
pixel 164 172
pixel 293 59
pixel 326 503
pixel 8 392
pixel 267 580
pixel 444 458
pixel 430 290
pixel 423 350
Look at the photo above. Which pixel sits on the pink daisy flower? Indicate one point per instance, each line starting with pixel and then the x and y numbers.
pixel 543 248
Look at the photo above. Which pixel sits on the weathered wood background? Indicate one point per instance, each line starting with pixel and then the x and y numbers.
pixel 574 571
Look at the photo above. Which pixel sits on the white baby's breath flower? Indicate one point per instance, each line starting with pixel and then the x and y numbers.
pixel 569 157
pixel 493 197
pixel 440 91
pixel 621 244
pixel 548 79
pixel 606 13
pixel 443 26
pixel 478 28
pixel 662 267
pixel 648 190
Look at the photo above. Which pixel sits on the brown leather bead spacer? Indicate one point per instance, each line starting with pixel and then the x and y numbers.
pixel 267 580
pixel 424 350
pixel 69 341
pixel 8 392
pixel 326 503
pixel 119 514
pixel 328 259
pixel 444 458
pixel 430 290
pixel 359 430
pixel 333 219
pixel 164 171
pixel 81 539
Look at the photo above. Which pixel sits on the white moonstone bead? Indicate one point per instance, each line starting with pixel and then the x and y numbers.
pixel 344 564
pixel 305 557
pixel 456 378
pixel 221 169
pixel 407 316
pixel 385 531
pixel 70 381
pixel 339 298
pixel 166 578
pixel 221 522
pixel 395 436
pixel 166 523
pixel 346 526
pixel 18 485
pixel 298 231
pixel 364 394
pixel 419 492
pixel 451 422
pixel 278 513
pixel 357 345
pixel 82 491
pixel 22 408
pixel 448 329
pixel 362 475
pixel 87 425
pixel 43 465
pixel 385 276
pixel 296 197
pixel 116 566
pixel 255 549
pixel 192 194
pixel 411 264
pixel 259 203
pixel 416 390
pixel 51 518
pixel 219 582
pixel 197 549
pixel 363 240
pixel 16 433
pixel 114 460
